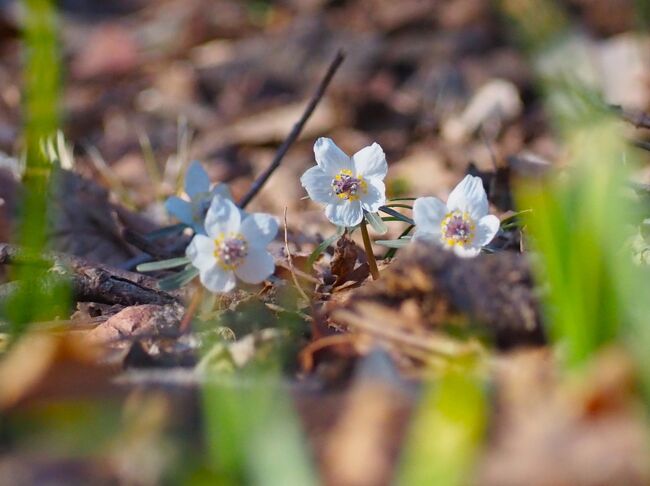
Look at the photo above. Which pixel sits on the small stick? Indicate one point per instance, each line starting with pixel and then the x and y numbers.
pixel 290 260
pixel 372 263
pixel 295 131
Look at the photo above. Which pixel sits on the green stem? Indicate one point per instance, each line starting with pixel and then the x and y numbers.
pixel 372 263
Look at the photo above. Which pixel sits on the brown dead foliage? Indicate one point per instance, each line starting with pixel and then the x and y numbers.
pixel 432 287
pixel 549 431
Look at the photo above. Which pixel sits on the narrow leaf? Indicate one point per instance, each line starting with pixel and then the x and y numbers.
pixel 513 220
pixel 392 251
pixel 396 214
pixel 163 264
pixel 323 246
pixel 176 281
pixel 401 243
pixel 166 231
pixel 377 224
pixel 398 205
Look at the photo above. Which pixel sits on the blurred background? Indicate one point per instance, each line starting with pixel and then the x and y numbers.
pixel 446 87
pixel 439 84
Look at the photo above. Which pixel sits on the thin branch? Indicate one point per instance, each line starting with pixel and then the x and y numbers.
pixel 295 131
pixel 91 282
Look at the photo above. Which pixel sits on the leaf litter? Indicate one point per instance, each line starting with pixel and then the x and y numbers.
pixel 356 357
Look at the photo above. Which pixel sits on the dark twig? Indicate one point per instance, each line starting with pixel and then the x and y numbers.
pixel 92 282
pixel 295 131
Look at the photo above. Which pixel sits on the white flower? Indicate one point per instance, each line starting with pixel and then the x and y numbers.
pixel 235 244
pixel 346 185
pixel 197 188
pixel 463 224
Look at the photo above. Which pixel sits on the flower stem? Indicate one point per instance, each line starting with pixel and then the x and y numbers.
pixel 186 323
pixel 372 263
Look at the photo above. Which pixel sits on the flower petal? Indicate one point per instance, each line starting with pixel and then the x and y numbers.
pixel 486 230
pixel 259 229
pixel 180 209
pixel 318 185
pixel 196 179
pixel 428 213
pixel 466 252
pixel 469 196
pixel 222 217
pixel 376 195
pixel 370 162
pixel 258 266
pixel 346 213
pixel 330 158
pixel 200 251
pixel 218 280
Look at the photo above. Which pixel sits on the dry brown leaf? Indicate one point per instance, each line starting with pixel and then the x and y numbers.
pixel 43 365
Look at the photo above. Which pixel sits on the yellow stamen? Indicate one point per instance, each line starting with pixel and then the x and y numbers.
pixel 230 250
pixel 457 228
pixel 347 186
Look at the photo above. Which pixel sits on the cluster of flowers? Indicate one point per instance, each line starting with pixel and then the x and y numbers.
pixel 229 242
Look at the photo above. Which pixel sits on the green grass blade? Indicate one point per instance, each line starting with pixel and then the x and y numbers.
pixel 33 301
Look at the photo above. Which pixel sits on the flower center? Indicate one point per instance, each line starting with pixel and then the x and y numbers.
pixel 230 250
pixel 348 187
pixel 457 228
